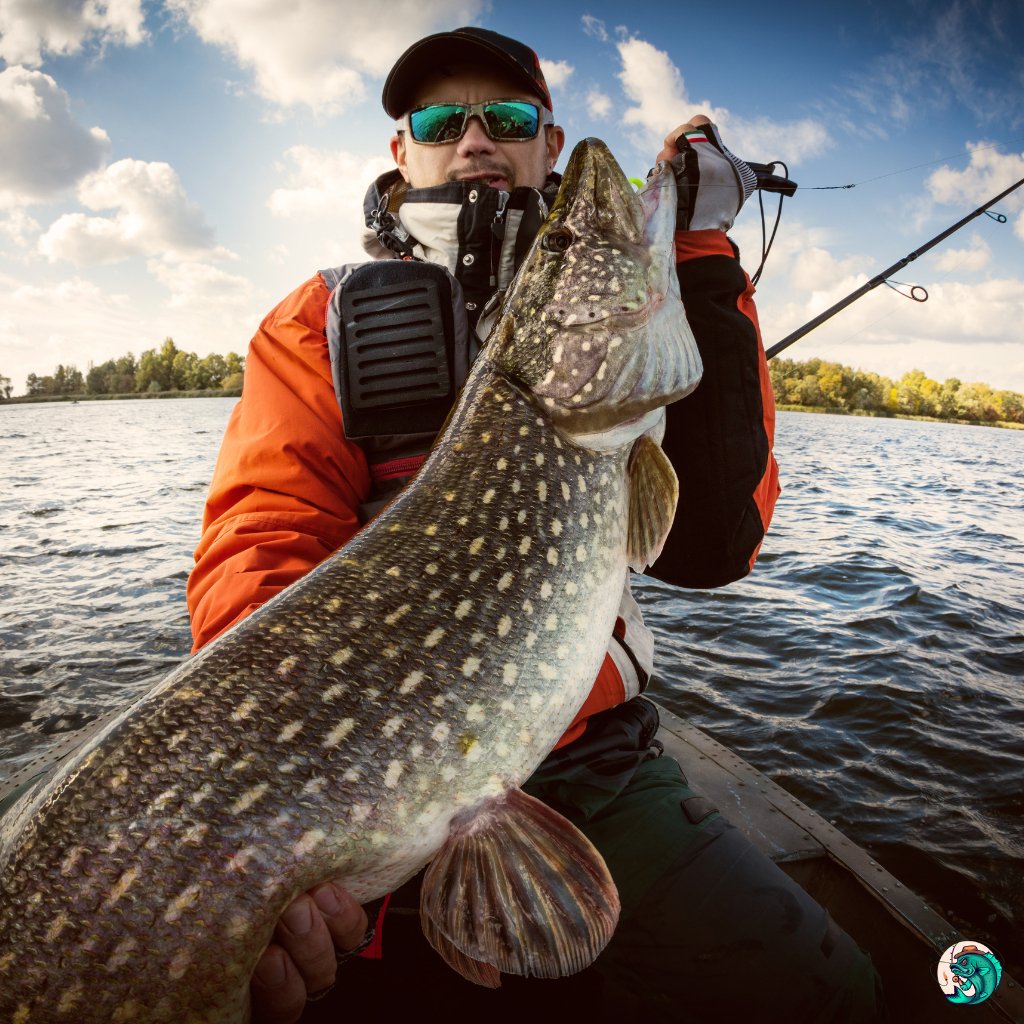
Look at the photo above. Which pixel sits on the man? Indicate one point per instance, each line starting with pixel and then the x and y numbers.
pixel 475 148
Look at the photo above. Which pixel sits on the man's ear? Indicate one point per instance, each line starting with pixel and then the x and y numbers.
pixel 398 153
pixel 555 142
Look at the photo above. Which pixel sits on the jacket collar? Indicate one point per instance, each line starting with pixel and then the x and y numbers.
pixel 480 234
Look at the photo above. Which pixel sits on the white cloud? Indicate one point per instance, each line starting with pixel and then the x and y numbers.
pixel 599 104
pixel 324 193
pixel 153 217
pixel 957 312
pixel 317 52
pixel 323 180
pixel 76 321
pixel 30 29
pixel 594 27
pixel 816 270
pixel 19 227
pixel 976 257
pixel 988 173
pixel 556 72
pixel 66 322
pixel 43 150
pixel 193 283
pixel 661 103
pixel 966 329
pixel 962 311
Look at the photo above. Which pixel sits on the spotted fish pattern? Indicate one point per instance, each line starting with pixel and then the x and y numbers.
pixel 381 712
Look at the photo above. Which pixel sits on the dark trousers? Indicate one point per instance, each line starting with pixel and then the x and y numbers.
pixel 711 929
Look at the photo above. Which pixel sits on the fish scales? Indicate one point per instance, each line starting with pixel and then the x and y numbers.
pixel 420 672
pixel 436 570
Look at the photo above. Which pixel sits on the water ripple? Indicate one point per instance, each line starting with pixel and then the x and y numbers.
pixel 872 663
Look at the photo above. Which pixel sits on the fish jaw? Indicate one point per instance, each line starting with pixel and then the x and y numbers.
pixel 594 324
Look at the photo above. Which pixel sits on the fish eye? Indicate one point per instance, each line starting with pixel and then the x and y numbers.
pixel 558 239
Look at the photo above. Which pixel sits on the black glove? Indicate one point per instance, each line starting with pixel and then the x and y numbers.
pixel 713 183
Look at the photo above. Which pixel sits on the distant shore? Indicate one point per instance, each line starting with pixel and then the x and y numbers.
pixel 236 392
pixel 895 416
pixel 208 393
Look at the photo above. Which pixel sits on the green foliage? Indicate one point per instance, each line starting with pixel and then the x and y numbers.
pixel 65 380
pixel 820 384
pixel 114 377
pixel 156 370
pixel 812 383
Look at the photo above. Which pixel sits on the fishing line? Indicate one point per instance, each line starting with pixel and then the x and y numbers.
pixel 768 180
pixel 888 174
pixel 913 167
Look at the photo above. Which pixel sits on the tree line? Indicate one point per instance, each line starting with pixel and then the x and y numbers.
pixel 816 383
pixel 812 383
pixel 165 369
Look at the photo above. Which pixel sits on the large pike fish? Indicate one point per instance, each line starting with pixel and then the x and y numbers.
pixel 382 712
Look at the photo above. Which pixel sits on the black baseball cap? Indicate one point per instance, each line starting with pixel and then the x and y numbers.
pixel 473 46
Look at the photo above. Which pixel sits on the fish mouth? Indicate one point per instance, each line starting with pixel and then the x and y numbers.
pixel 622 433
pixel 614 375
pixel 617 319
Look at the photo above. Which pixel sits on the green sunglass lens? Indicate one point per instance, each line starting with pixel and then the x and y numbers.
pixel 511 120
pixel 440 123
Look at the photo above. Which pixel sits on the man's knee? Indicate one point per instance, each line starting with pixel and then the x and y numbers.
pixel 724 933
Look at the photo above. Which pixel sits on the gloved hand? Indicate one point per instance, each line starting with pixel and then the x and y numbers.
pixel 713 183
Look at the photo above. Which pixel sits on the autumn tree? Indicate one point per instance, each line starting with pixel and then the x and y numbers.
pixel 821 384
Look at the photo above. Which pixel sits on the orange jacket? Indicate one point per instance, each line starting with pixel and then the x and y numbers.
pixel 287 484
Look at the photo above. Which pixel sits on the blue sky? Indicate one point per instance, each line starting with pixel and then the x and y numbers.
pixel 177 167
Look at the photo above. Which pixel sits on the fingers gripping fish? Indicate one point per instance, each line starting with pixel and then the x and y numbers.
pixel 382 712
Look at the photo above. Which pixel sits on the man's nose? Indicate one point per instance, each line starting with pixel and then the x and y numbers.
pixel 476 140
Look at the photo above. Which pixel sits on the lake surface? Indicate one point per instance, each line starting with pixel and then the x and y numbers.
pixel 872 664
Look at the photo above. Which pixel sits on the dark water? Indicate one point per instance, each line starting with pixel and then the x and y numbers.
pixel 872 665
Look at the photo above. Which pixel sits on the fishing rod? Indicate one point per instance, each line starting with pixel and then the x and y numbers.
pixel 885 274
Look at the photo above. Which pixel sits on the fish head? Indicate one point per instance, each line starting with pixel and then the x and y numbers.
pixel 593 324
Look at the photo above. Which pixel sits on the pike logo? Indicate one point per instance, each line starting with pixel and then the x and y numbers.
pixel 969 973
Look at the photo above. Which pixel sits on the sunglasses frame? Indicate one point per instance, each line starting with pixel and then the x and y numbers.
pixel 404 124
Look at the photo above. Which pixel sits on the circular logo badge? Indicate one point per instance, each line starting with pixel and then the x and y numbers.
pixel 969 972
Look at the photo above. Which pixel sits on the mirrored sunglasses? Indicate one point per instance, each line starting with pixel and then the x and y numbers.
pixel 503 121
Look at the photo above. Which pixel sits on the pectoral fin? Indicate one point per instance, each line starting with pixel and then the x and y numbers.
pixel 517 888
pixel 472 970
pixel 653 493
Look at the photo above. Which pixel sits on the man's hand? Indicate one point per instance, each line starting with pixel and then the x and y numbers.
pixel 670 149
pixel 713 183
pixel 301 959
